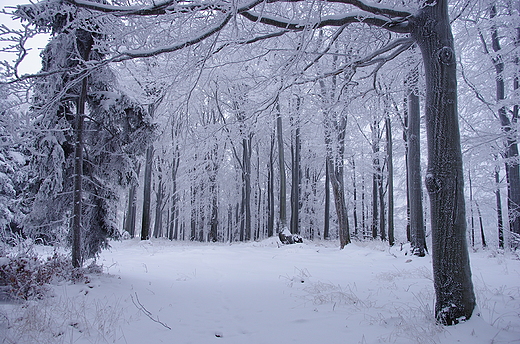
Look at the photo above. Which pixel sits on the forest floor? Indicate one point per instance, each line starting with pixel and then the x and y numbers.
pixel 254 293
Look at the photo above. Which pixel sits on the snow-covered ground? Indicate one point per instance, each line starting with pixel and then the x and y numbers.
pixel 165 292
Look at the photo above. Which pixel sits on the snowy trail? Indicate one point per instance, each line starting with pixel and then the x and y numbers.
pixel 260 293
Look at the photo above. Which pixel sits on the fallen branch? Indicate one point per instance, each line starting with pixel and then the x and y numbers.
pixel 149 314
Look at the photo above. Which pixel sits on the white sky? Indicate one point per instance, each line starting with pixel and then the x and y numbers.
pixel 32 63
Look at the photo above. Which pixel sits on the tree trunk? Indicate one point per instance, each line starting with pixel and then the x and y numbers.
pixel 145 222
pixel 455 299
pixel 406 159
pixel 376 175
pixel 296 176
pixel 158 225
pixel 500 221
pixel 131 211
pixel 339 201
pixel 415 194
pixel 281 164
pixel 390 164
pixel 482 235
pixel 77 254
pixel 246 174
pixel 511 154
pixel 326 224
pixel 270 191
pixel 472 217
pixel 354 191
pixel 363 216
pixel 382 218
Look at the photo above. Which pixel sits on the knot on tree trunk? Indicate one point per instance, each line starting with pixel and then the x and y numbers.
pixel 433 184
pixel 446 55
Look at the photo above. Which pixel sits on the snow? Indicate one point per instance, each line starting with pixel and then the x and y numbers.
pixel 264 292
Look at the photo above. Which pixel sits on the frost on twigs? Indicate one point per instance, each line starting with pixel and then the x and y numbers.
pixel 286 237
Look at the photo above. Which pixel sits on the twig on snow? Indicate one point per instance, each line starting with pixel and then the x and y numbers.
pixel 149 314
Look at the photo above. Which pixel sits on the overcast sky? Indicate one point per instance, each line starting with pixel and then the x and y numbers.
pixel 32 63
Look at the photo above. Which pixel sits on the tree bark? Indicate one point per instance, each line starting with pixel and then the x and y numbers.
pixel 376 175
pixel 281 164
pixel 77 255
pixel 415 194
pixel 355 192
pixel 158 225
pixel 145 222
pixel 482 235
pixel 131 211
pixel 246 175
pixel 455 299
pixel 270 191
pixel 511 153
pixel 296 174
pixel 500 221
pixel 390 168
pixel 326 223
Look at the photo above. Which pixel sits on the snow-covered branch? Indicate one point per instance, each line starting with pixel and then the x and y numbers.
pixel 378 57
pixel 396 25
pixel 390 12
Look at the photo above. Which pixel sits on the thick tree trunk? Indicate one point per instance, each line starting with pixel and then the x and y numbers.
pixel 415 194
pixel 336 180
pixel 455 299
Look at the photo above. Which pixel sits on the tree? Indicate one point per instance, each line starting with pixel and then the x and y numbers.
pixel 86 132
pixel 413 168
pixel 429 27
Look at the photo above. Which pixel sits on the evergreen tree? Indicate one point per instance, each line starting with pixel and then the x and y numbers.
pixel 115 131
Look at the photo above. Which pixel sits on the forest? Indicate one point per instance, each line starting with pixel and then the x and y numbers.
pixel 242 121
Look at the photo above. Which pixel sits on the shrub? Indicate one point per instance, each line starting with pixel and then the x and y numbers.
pixel 26 276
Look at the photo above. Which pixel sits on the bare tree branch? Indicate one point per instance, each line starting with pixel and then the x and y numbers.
pixel 362 6
pixel 399 25
pixel 146 312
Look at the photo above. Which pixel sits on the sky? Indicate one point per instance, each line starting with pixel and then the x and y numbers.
pixel 32 63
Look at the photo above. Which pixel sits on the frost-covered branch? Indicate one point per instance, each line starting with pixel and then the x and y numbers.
pixel 146 312
pixel 254 40
pixel 165 7
pixel 396 25
pixel 390 12
pixel 376 58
